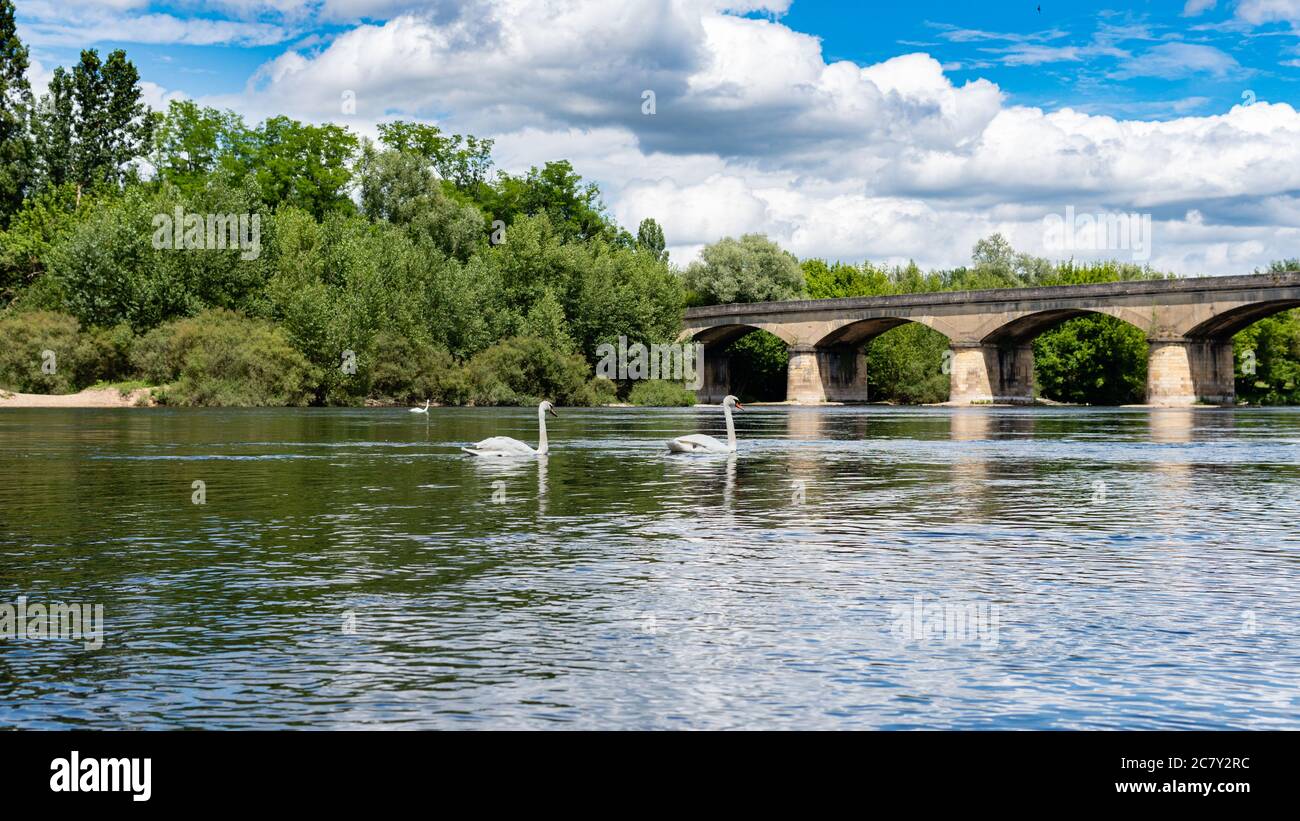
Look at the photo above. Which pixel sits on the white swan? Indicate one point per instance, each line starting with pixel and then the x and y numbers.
pixel 699 443
pixel 424 409
pixel 505 446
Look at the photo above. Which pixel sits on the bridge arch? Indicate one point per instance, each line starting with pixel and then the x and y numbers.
pixel 726 333
pixel 728 371
pixel 858 332
pixel 842 358
pixel 1223 326
pixel 1028 326
pixel 1009 348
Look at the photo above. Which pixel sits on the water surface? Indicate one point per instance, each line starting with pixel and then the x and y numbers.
pixel 849 568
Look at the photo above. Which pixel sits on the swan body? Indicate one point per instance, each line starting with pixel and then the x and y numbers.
pixel 506 446
pixel 424 409
pixel 699 443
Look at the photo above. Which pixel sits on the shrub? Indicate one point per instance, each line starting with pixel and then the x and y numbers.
pixel 406 370
pixel 76 358
pixel 524 370
pixel 601 391
pixel 660 393
pixel 221 358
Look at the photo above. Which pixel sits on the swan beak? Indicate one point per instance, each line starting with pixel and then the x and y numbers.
pixel 553 413
pixel 739 406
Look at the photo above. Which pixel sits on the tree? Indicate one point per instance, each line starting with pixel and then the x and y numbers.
pixel 651 237
pixel 91 154
pixel 461 160
pixel 400 188
pixel 304 165
pixel 52 127
pixel 92 123
pixel 192 143
pixel 129 126
pixel 842 280
pixel 751 269
pixel 15 115
pixel 556 190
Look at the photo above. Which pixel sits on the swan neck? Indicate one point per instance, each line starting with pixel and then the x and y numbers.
pixel 731 428
pixel 541 431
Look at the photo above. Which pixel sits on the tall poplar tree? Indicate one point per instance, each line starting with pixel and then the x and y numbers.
pixel 15 115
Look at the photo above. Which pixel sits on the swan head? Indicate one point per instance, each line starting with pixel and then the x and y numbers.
pixel 547 407
pixel 732 402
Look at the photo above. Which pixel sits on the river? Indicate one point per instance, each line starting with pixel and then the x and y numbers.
pixel 850 567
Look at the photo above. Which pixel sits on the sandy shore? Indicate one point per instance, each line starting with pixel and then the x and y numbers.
pixel 105 398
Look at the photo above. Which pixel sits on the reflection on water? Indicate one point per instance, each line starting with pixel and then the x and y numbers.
pixel 849 567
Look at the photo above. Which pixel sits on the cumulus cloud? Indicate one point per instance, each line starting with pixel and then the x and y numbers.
pixel 755 130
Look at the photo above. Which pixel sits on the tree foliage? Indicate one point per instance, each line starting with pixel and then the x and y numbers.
pixel 750 269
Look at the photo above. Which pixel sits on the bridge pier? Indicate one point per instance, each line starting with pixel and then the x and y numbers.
pixel 1183 371
pixel 991 373
pixel 803 376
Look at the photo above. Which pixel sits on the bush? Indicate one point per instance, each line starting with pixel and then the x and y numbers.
pixel 601 391
pixel 220 358
pixel 76 358
pixel 406 371
pixel 524 370
pixel 660 393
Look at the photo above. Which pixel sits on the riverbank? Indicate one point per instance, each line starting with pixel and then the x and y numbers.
pixel 89 398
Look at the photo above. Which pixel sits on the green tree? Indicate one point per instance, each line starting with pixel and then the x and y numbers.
pixel 194 143
pixel 651 237
pixel 1094 360
pixel 44 220
pixel 400 188
pixel 306 166
pixel 15 115
pixel 557 191
pixel 838 280
pixel 52 132
pixel 463 161
pixel 751 269
pixel 905 365
pixel 758 363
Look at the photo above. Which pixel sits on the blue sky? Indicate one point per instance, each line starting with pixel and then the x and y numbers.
pixel 885 131
pixel 1094 57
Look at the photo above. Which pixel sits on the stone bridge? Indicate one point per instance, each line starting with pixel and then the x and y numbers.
pixel 1188 323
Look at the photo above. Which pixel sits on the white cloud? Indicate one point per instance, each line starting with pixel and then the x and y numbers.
pixel 1177 60
pixel 755 131
pixel 1258 12
pixel 76 24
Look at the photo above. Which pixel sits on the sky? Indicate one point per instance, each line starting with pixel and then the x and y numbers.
pixel 880 131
